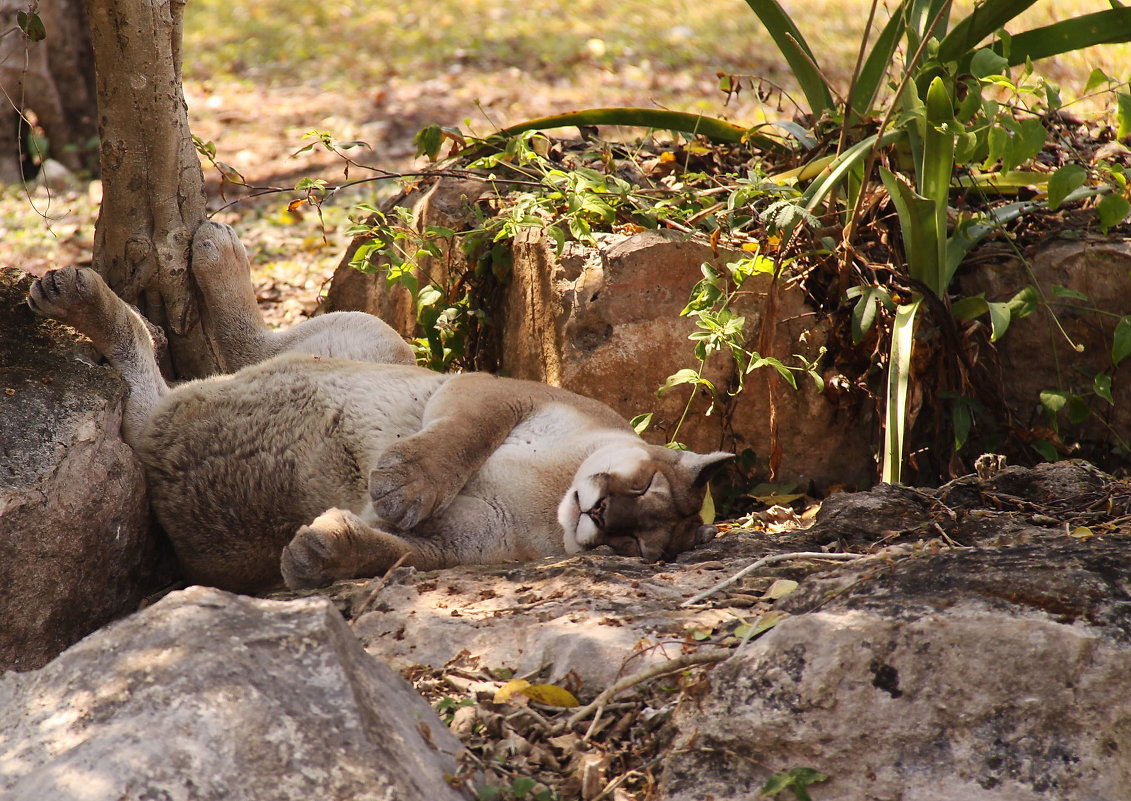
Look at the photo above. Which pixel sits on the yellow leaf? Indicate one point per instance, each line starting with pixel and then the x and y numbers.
pixel 781 588
pixel 510 688
pixel 707 510
pixel 751 247
pixel 549 695
pixel 762 624
pixel 1082 533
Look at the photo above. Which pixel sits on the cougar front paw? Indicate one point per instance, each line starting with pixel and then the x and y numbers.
pixel 63 293
pixel 402 492
pixel 314 557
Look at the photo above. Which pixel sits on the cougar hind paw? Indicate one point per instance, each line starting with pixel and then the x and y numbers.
pixel 60 293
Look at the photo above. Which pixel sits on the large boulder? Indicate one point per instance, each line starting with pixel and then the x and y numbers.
pixel 75 532
pixel 207 695
pixel 998 670
pixel 1086 282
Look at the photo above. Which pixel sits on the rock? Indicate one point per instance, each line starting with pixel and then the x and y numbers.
pixel 1034 356
pixel 532 617
pixel 75 530
pixel 996 672
pixel 207 695
pixel 972 674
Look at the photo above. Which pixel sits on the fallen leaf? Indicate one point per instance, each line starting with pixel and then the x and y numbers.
pixel 549 695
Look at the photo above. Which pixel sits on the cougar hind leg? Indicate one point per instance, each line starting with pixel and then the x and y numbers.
pixel 232 318
pixel 82 300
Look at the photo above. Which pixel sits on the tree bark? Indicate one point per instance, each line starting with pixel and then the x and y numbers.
pixel 153 185
pixel 53 80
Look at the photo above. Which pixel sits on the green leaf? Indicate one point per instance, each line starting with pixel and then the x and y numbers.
pixel 987 62
pixel 970 31
pixel 429 296
pixel 1112 210
pixel 899 374
pixel 1102 386
pixel 1078 410
pixel 1059 291
pixel 999 319
pixel 707 510
pixel 1063 182
pixel 1074 33
pixel 764 623
pixel 796 52
pixel 796 780
pixel 641 422
pixel 1123 114
pixel 962 421
pixel 1023 303
pixel 678 378
pixel 1121 340
pixel 522 785
pixel 864 312
pixel 1046 449
pixel 918 222
pixel 428 141
pixel 31 25
pixel 970 307
pixel 1097 79
pixel 1054 400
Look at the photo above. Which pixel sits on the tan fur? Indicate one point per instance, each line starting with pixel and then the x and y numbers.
pixel 310 468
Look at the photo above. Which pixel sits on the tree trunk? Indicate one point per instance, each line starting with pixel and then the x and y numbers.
pixel 153 186
pixel 51 80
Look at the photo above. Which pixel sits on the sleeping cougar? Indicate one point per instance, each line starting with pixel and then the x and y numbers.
pixel 314 462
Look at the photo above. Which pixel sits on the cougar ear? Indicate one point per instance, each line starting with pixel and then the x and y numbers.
pixel 703 465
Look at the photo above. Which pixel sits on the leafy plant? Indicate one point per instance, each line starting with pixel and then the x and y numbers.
pixel 796 780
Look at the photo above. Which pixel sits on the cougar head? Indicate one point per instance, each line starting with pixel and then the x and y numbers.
pixel 641 500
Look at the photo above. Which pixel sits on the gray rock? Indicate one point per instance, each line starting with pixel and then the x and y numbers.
pixel 75 531
pixel 974 674
pixel 207 695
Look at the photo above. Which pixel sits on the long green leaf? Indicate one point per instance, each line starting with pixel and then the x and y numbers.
pixel 918 224
pixel 796 52
pixel 1103 27
pixel 986 18
pixel 918 15
pixel 695 124
pixel 899 375
pixel 935 175
pixel 842 166
pixel 874 72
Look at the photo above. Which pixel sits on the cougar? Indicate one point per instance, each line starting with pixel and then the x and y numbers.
pixel 327 454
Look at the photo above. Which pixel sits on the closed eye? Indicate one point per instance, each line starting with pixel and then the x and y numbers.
pixel 647 487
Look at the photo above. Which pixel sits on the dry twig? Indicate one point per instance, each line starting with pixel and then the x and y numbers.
pixel 765 562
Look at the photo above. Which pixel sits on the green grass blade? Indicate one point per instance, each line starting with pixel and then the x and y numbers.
pixel 935 176
pixel 1103 27
pixel 841 168
pixel 986 18
pixel 899 375
pixel 917 222
pixel 874 72
pixel 695 124
pixel 796 52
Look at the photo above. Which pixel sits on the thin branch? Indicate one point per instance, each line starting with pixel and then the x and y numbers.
pixel 766 562
pixel 369 599
pixel 647 674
